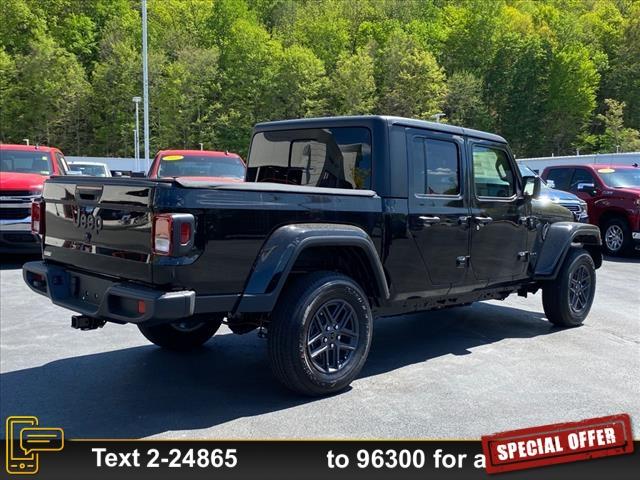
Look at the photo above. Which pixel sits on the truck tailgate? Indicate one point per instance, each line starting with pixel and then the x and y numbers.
pixel 102 225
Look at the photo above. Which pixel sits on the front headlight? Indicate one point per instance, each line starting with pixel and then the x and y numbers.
pixel 584 207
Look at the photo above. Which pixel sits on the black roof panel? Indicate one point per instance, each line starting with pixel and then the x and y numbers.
pixel 323 122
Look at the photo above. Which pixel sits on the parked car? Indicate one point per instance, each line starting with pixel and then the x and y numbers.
pixel 571 202
pixel 23 170
pixel 343 219
pixel 92 169
pixel 205 165
pixel 612 193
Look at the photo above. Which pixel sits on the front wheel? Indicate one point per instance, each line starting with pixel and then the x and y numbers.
pixel 183 334
pixel 567 299
pixel 320 334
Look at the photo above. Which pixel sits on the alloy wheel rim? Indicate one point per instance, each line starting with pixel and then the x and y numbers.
pixel 614 238
pixel 579 289
pixel 333 336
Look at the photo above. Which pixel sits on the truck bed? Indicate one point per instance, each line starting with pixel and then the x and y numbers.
pixel 232 223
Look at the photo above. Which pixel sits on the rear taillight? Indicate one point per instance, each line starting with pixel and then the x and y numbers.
pixel 185 233
pixel 37 217
pixel 173 233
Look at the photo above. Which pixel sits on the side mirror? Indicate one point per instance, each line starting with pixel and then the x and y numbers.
pixel 551 184
pixel 589 188
pixel 532 185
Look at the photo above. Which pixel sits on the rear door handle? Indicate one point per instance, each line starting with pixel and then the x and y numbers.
pixel 429 220
pixel 483 220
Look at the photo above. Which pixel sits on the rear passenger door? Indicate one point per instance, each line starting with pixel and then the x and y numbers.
pixel 437 205
pixel 498 215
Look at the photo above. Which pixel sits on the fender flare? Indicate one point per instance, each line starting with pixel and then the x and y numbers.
pixel 281 250
pixel 560 237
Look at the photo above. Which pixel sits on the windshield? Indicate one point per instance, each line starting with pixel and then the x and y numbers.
pixel 201 166
pixel 22 161
pixel 621 178
pixel 92 170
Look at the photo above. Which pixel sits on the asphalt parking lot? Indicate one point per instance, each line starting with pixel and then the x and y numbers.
pixel 459 373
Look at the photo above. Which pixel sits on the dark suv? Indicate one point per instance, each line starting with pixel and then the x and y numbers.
pixel 340 220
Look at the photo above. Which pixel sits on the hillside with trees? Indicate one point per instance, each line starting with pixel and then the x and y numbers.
pixel 550 75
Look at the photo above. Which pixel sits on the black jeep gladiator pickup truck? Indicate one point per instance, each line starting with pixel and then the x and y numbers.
pixel 340 220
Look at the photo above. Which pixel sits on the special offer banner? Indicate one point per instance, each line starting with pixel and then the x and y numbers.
pixel 589 449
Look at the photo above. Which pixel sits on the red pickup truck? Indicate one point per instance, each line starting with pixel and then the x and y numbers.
pixel 206 165
pixel 612 193
pixel 23 170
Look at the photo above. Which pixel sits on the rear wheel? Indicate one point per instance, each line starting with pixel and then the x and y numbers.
pixel 567 299
pixel 617 237
pixel 320 334
pixel 183 334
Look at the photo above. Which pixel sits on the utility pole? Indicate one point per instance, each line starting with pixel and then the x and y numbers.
pixel 145 83
pixel 136 135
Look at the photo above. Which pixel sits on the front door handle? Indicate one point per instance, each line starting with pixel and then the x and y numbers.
pixel 429 220
pixel 483 220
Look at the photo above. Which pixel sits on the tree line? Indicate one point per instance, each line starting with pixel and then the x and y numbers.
pixel 551 76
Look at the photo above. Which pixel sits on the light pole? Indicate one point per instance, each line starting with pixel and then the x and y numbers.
pixel 145 83
pixel 438 116
pixel 136 134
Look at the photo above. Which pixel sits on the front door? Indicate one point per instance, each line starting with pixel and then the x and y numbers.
pixel 437 206
pixel 498 215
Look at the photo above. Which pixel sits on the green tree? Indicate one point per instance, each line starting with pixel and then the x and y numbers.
pixel 187 100
pixel 411 82
pixel 297 86
pixel 352 87
pixel 7 99
pixel 624 78
pixel 616 136
pixel 464 104
pixel 49 94
pixel 321 27
pixel 573 81
pixel 249 67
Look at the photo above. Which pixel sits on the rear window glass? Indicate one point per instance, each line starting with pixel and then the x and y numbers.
pixel 327 157
pixel 22 161
pixel 92 170
pixel 201 166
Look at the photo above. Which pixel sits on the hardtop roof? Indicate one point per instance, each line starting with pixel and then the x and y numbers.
pixel 367 120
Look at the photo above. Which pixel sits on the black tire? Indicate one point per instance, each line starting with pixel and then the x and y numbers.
pixel 304 310
pixel 578 273
pixel 184 334
pixel 616 237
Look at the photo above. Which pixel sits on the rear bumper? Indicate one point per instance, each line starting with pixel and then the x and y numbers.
pixel 16 236
pixel 121 302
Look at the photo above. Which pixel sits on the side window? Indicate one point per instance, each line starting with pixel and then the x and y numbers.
pixel 560 177
pixel 437 166
pixel 581 175
pixel 62 163
pixel 493 174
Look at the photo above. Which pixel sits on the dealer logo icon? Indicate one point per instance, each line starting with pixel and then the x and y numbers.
pixel 25 441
